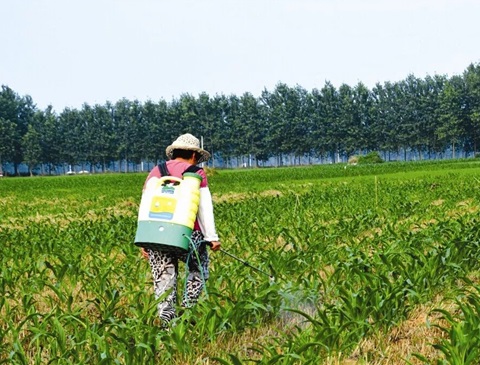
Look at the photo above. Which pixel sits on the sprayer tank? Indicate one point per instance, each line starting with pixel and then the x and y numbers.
pixel 167 212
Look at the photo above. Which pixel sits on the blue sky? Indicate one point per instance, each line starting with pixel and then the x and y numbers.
pixel 66 53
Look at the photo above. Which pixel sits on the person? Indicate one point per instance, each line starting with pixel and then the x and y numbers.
pixel 184 152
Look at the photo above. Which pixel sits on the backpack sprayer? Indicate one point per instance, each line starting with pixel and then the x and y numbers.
pixel 270 277
pixel 167 211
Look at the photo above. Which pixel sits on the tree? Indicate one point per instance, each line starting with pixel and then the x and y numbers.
pixel 31 143
pixel 286 120
pixel 206 122
pixel 449 130
pixel 26 111
pixel 251 130
pixel 327 130
pixel 301 133
pixel 363 105
pixel 220 108
pixel 472 88
pixel 71 150
pixel 186 117
pixel 103 141
pixel 18 112
pixel 157 123
pixel 7 134
pixel 123 128
pixel 51 138
pixel 347 126
pixel 231 131
pixel 41 144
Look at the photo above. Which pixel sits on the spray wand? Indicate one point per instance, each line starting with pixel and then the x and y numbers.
pixel 270 277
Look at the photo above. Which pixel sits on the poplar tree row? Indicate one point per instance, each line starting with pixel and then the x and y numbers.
pixel 426 117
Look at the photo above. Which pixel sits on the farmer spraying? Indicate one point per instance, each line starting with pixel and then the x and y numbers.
pixel 177 224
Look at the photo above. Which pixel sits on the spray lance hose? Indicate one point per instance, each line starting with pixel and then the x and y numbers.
pixel 270 277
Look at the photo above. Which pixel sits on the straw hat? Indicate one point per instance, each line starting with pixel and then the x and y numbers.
pixel 190 143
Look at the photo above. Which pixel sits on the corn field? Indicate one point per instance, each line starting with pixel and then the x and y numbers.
pixel 372 264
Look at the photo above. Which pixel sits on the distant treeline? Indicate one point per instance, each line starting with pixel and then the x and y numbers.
pixel 426 117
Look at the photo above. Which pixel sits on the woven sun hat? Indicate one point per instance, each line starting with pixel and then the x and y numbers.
pixel 190 143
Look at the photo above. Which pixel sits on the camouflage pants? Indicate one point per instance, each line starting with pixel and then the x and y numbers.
pixel 164 266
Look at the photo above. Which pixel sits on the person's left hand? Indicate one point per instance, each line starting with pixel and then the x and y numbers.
pixel 215 245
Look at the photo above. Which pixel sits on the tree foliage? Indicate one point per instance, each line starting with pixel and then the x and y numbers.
pixel 425 117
